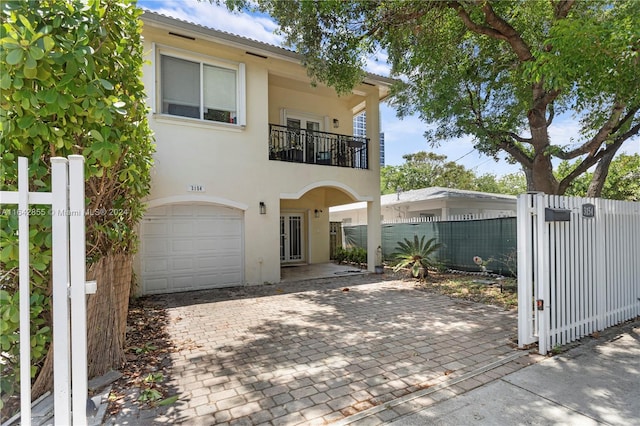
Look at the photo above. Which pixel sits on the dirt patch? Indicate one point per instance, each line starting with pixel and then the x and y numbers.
pixel 148 346
pixel 477 288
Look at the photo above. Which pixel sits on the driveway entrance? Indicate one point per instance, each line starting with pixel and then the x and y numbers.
pixel 322 351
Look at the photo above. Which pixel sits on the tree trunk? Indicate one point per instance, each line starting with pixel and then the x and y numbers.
pixel 106 321
pixel 542 178
pixel 600 175
pixel 542 175
pixel 107 314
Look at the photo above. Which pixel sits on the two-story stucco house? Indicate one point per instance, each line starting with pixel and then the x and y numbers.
pixel 250 156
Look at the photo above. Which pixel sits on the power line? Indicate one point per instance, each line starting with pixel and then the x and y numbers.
pixel 460 158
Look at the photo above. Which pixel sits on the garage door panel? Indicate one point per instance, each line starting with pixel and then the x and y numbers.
pixel 184 228
pixel 183 210
pixel 155 228
pixel 188 247
pixel 184 264
pixel 156 265
pixel 219 263
pixel 156 285
pixel 220 243
pixel 158 211
pixel 181 247
pixel 155 246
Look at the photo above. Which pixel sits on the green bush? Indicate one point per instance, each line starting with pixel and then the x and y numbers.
pixel 355 255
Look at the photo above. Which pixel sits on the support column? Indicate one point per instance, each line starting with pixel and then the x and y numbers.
pixel 374 227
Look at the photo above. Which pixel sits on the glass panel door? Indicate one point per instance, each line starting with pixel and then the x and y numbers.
pixel 291 237
pixel 303 135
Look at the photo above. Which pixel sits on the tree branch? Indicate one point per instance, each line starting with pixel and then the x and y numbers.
pixel 605 131
pixel 516 152
pixel 511 35
pixel 518 137
pixel 591 159
pixel 552 114
pixel 468 22
pixel 561 8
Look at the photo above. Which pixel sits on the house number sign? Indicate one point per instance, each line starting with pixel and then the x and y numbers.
pixel 195 188
pixel 588 210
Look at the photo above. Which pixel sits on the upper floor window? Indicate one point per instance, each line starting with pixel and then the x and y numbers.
pixel 202 90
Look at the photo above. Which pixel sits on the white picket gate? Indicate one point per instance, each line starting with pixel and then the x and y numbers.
pixel 578 267
pixel 69 287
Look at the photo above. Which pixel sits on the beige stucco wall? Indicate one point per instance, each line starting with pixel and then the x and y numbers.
pixel 232 164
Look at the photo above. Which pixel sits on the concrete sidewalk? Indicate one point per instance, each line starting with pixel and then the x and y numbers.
pixel 596 382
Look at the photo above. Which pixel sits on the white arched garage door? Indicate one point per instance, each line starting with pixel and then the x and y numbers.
pixel 191 247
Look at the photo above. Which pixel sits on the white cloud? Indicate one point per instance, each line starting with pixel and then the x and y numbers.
pixel 218 17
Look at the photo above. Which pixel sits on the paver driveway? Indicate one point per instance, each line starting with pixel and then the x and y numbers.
pixel 314 353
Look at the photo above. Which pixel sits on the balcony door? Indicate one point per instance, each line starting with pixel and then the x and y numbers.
pixel 291 237
pixel 302 129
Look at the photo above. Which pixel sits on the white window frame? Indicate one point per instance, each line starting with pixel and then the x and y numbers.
pixel 304 116
pixel 238 67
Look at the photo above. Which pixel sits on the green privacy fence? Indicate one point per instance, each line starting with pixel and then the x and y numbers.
pixel 494 240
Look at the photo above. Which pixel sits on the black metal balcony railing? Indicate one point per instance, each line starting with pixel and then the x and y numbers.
pixel 313 147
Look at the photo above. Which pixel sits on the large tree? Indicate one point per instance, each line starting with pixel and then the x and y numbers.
pixel 500 71
pixel 425 169
pixel 422 170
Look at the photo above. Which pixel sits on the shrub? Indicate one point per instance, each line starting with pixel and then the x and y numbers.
pixel 416 255
pixel 356 255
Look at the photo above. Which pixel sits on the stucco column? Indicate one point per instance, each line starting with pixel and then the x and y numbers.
pixel 374 232
pixel 374 227
pixel 445 213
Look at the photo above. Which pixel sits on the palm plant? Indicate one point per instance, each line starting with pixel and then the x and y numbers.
pixel 416 255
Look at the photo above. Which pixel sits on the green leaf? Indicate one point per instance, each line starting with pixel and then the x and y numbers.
pixel 48 43
pixel 106 84
pixel 5 81
pixel 15 56
pixel 30 72
pixel 51 96
pixel 43 74
pixel 31 62
pixel 96 135
pixel 25 21
pixel 36 53
pixel 168 401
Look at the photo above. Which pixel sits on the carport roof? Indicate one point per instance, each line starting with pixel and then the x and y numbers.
pixel 431 193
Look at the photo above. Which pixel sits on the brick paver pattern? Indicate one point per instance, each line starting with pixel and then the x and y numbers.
pixel 316 354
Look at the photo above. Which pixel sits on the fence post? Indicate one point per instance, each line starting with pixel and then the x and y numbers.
pixel 526 332
pixel 542 272
pixel 78 290
pixel 25 291
pixel 60 296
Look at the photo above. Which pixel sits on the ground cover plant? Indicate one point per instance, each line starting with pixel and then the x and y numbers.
pixel 500 291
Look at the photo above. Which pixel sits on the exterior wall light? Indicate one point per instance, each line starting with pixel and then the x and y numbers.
pixel 336 123
pixel 316 213
pixel 263 208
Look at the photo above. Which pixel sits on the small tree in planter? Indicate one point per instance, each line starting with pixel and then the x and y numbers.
pixel 416 255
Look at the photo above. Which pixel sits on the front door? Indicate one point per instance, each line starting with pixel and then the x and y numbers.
pixel 291 237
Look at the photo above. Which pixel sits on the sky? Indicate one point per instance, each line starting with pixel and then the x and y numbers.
pixel 401 136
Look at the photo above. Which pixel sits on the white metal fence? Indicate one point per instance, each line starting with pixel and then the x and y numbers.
pixel 578 267
pixel 68 274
